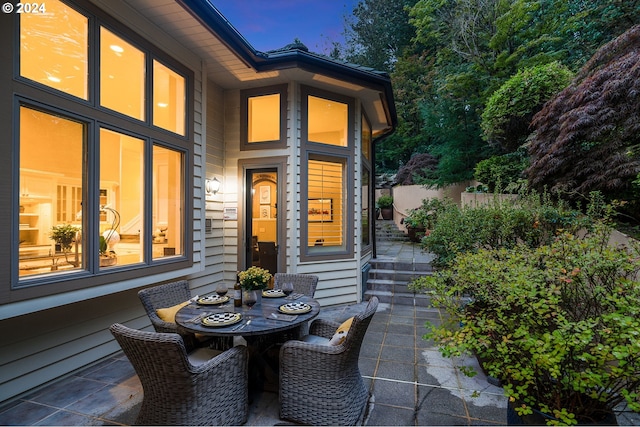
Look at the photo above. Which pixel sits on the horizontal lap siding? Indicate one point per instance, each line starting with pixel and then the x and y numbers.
pixel 213 270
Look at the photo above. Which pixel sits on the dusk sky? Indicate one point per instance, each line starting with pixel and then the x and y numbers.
pixel 272 24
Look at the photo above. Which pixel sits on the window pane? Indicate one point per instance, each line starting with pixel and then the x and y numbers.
pixel 122 74
pixel 168 199
pixel 264 118
pixel 53 48
pixel 51 154
pixel 366 139
pixel 168 99
pixel 121 198
pixel 328 121
pixel 325 204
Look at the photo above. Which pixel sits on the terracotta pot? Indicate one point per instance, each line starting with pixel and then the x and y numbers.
pixel 387 213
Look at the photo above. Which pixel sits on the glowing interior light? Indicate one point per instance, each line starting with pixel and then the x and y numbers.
pixel 116 48
pixel 54 79
pixel 162 104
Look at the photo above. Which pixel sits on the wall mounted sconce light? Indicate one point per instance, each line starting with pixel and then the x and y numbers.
pixel 212 186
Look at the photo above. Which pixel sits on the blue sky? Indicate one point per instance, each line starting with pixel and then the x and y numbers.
pixel 272 24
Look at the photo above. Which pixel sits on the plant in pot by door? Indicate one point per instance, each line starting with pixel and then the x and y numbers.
pixel 557 324
pixel 385 203
pixel 255 280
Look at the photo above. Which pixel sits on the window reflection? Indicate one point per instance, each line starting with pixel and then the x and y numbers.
pixel 53 48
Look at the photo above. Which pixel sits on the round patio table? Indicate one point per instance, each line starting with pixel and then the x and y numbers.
pixel 265 329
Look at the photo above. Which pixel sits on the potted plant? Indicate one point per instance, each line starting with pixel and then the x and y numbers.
pixel 421 220
pixel 556 324
pixel 385 204
pixel 253 281
pixel 64 235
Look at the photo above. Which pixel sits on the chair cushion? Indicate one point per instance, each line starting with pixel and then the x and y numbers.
pixel 169 314
pixel 202 355
pixel 315 339
pixel 341 333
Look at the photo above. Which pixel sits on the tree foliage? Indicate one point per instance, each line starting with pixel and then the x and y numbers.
pixel 448 57
pixel 377 33
pixel 419 166
pixel 587 138
pixel 506 117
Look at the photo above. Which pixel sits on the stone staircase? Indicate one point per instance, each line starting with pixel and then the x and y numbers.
pixel 389 277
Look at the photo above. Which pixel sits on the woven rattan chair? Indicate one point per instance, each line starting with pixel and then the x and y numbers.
pixel 321 384
pixel 186 389
pixel 168 295
pixel 302 283
pixel 163 296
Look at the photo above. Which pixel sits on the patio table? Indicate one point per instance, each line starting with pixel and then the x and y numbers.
pixel 267 321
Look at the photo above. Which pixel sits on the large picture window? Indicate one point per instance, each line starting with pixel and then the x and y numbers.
pixel 102 186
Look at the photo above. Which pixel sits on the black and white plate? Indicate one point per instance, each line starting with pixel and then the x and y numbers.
pixel 222 319
pixel 295 308
pixel 273 293
pixel 213 300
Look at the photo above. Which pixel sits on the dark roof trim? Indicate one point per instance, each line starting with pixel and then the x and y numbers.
pixel 205 12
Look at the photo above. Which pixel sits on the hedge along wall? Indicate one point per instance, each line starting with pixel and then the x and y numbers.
pixel 407 197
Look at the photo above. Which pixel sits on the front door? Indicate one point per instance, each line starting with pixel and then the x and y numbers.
pixel 261 219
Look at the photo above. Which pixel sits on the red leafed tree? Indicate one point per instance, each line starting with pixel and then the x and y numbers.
pixel 588 137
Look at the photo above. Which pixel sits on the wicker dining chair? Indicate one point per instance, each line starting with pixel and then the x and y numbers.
pixel 302 283
pixel 205 387
pixel 169 295
pixel 321 384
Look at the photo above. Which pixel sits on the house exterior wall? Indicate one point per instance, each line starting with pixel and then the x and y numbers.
pixel 44 344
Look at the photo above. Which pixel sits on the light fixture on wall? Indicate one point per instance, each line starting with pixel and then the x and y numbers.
pixel 212 186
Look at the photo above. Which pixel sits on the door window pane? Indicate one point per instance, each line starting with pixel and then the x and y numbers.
pixel 263 118
pixel 168 199
pixel 326 204
pixel 53 48
pixel 121 199
pixel 122 75
pixel 51 184
pixel 328 121
pixel 168 99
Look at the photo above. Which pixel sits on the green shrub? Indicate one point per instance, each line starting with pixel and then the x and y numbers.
pixel 426 215
pixel 557 324
pixel 384 201
pixel 499 173
pixel 530 219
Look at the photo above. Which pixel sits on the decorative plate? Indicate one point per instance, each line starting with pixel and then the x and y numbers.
pixel 295 308
pixel 213 300
pixel 273 293
pixel 222 319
